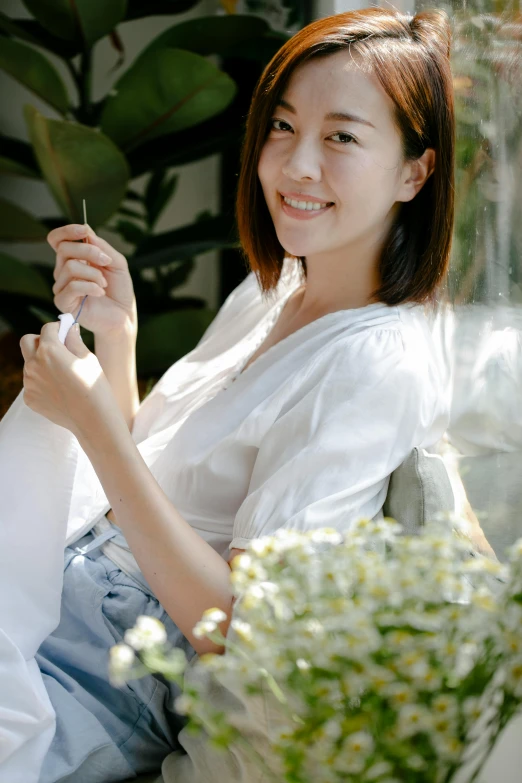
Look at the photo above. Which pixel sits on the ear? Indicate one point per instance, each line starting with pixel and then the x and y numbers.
pixel 415 174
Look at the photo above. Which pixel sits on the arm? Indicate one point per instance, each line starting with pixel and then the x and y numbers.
pixel 116 353
pixel 186 574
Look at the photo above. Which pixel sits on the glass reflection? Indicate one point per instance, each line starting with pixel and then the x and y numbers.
pixel 481 329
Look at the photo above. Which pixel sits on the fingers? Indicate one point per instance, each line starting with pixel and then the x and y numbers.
pixel 118 259
pixel 79 251
pixel 71 233
pixel 28 345
pixel 74 269
pixel 68 300
pixel 49 332
pixel 75 233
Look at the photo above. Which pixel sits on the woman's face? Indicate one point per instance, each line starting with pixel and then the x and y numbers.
pixel 331 169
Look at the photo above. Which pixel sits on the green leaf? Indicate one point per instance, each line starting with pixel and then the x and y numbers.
pixel 137 9
pixel 132 213
pixel 179 274
pixel 167 91
pixel 35 72
pixel 12 167
pixel 159 191
pixel 79 163
pixel 17 225
pixel 22 279
pixel 32 31
pixel 183 243
pixel 210 34
pixel 163 339
pixel 82 21
pixel 177 149
pixel 42 315
pixel 20 153
pixel 16 28
pixel 131 233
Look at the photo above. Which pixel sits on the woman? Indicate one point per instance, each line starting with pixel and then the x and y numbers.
pixel 312 385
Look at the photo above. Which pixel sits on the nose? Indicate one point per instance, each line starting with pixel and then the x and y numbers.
pixel 303 162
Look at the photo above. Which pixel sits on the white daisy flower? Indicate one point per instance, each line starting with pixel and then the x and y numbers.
pixel 147 633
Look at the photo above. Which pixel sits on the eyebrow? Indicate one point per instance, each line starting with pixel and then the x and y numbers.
pixel 332 115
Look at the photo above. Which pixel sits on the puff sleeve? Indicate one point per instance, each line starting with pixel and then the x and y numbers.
pixel 326 460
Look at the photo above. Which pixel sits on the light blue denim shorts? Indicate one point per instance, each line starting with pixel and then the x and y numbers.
pixel 104 734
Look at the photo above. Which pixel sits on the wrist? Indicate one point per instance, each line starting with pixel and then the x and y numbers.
pixel 123 333
pixel 104 421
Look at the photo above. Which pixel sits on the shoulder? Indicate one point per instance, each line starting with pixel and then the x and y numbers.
pixel 382 354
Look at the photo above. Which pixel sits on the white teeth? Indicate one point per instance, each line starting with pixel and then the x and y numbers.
pixel 304 205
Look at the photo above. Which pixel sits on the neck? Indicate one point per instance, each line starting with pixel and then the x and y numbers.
pixel 341 280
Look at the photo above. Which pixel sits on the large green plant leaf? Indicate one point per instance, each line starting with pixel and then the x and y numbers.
pixel 34 71
pixel 82 21
pixel 182 243
pixel 166 91
pixel 210 34
pixel 31 31
pixel 79 163
pixel 163 339
pixel 17 225
pixel 22 279
pixel 176 149
pixel 137 9
pixel 16 28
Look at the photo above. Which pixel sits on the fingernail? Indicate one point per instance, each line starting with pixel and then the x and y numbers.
pixel 104 283
pixel 105 259
pixel 80 231
pixel 77 330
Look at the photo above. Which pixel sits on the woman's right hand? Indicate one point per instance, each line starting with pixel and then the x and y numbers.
pixel 97 269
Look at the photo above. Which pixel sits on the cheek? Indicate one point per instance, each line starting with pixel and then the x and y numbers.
pixel 361 182
pixel 265 169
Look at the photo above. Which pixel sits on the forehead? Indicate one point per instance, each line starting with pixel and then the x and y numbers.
pixel 336 83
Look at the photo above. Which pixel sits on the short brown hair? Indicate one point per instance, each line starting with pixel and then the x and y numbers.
pixel 410 57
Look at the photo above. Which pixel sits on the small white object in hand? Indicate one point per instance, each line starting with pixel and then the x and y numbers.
pixel 66 321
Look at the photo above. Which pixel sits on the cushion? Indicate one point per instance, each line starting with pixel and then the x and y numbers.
pixel 419 490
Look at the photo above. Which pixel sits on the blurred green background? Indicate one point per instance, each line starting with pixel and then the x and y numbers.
pixel 180 99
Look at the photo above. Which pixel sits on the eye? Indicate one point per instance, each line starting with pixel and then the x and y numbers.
pixel 279 125
pixel 343 138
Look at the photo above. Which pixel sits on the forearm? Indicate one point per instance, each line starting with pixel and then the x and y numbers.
pixel 117 355
pixel 185 573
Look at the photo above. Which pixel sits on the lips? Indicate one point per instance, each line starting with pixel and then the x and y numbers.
pixel 303 197
pixel 303 208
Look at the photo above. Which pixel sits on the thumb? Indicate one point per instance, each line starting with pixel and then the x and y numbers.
pixel 74 342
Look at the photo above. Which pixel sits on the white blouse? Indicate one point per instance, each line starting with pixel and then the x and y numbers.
pixel 307 436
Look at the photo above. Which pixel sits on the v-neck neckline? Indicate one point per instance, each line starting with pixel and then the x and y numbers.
pixel 242 369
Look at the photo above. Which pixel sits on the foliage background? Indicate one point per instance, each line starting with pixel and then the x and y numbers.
pixel 181 101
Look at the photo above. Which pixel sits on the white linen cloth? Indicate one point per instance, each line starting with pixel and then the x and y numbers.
pixel 307 436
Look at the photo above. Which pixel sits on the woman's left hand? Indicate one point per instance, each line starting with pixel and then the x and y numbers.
pixel 65 383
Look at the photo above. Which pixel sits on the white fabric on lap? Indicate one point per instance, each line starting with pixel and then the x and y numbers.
pixel 37 468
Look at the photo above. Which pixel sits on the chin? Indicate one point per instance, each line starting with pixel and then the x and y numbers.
pixel 295 246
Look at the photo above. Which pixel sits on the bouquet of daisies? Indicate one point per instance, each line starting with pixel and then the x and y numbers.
pixel 385 658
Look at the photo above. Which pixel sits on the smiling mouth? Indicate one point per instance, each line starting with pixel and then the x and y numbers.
pixel 298 209
pixel 306 206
